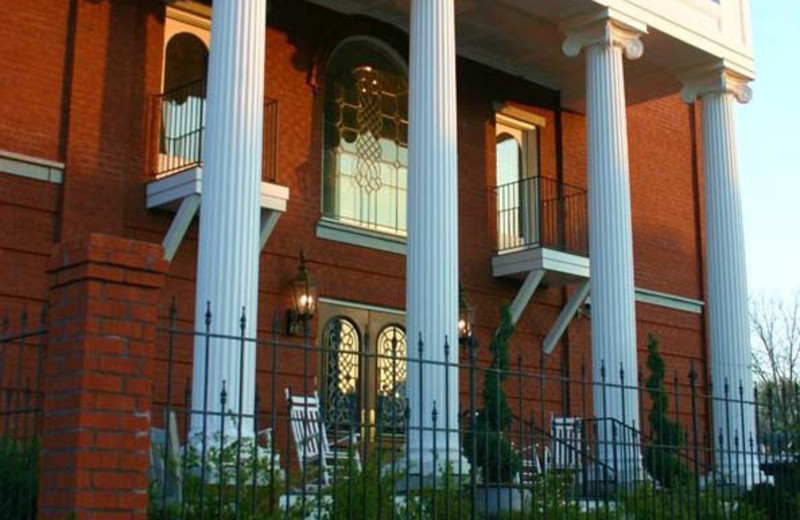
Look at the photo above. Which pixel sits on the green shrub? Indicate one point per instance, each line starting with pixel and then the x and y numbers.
pixel 359 495
pixel 550 498
pixel 683 503
pixel 451 499
pixel 661 455
pixel 376 494
pixel 773 501
pixel 494 455
pixel 19 477
pixel 213 494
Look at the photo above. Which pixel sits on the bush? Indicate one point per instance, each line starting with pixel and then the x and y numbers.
pixel 363 496
pixel 773 501
pixel 683 503
pixel 19 477
pixel 494 455
pixel 213 492
pixel 661 456
pixel 374 494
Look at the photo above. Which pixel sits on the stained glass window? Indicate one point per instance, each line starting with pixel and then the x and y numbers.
pixel 366 139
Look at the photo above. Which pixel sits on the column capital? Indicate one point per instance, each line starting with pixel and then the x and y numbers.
pixel 607 28
pixel 715 80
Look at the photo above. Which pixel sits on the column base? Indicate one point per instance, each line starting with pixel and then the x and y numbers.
pixel 428 468
pixel 599 480
pixel 743 478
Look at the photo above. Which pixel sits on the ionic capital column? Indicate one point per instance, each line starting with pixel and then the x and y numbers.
pixel 604 32
pixel 432 260
pixel 227 264
pixel 604 41
pixel 734 420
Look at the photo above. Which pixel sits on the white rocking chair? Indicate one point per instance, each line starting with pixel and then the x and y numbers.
pixel 314 451
pixel 530 466
pixel 566 445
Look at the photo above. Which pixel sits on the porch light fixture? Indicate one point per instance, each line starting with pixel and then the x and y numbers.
pixel 466 317
pixel 304 298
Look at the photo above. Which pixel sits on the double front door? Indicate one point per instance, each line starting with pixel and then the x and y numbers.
pixel 364 368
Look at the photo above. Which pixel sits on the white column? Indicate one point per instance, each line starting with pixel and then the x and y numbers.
pixel 227 265
pixel 610 239
pixel 432 260
pixel 734 421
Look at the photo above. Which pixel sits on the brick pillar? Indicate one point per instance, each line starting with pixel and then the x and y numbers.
pixel 98 378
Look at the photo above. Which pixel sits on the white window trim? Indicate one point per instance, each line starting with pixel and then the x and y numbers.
pixel 362 306
pixel 329 229
pixel 666 301
pixel 669 301
pixel 31 167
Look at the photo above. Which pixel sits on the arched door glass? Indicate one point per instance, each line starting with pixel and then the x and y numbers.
pixel 342 344
pixel 391 350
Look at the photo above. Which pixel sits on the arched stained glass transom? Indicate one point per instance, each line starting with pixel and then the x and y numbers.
pixel 366 139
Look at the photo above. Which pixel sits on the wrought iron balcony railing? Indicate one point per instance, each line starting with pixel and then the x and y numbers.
pixel 541 212
pixel 177 120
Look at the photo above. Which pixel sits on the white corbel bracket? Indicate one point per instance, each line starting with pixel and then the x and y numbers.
pixel 180 223
pixel 565 317
pixel 525 294
pixel 182 192
pixel 608 27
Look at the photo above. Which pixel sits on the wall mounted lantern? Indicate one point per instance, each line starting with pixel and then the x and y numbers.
pixel 304 298
pixel 466 317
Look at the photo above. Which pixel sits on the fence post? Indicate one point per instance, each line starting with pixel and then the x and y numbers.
pixel 97 378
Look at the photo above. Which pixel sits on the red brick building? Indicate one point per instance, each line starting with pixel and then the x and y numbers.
pixel 84 130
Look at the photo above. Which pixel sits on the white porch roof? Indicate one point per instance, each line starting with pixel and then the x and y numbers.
pixel 524 38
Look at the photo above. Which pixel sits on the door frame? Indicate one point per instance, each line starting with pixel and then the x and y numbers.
pixel 369 320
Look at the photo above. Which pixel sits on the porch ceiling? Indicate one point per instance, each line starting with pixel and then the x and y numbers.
pixel 522 37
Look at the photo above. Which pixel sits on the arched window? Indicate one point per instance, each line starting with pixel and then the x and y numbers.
pixel 366 139
pixel 517 184
pixel 183 101
pixel 185 61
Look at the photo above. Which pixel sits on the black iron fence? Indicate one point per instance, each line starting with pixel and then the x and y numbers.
pixel 178 120
pixel 21 355
pixel 541 212
pixel 340 428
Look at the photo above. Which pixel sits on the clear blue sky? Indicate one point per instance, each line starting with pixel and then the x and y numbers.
pixel 769 151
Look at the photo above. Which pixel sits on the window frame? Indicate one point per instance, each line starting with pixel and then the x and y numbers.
pixel 329 228
pixel 526 128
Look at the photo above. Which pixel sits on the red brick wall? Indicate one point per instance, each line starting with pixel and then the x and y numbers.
pixel 28 228
pixel 98 378
pixel 33 47
pixel 116 63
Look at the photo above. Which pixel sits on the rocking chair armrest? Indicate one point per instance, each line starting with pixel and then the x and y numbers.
pixel 528 448
pixel 351 439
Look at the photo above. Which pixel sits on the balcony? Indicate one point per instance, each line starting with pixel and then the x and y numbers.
pixel 176 122
pixel 541 225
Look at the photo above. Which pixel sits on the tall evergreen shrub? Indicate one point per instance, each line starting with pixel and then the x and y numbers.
pixel 496 458
pixel 661 456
